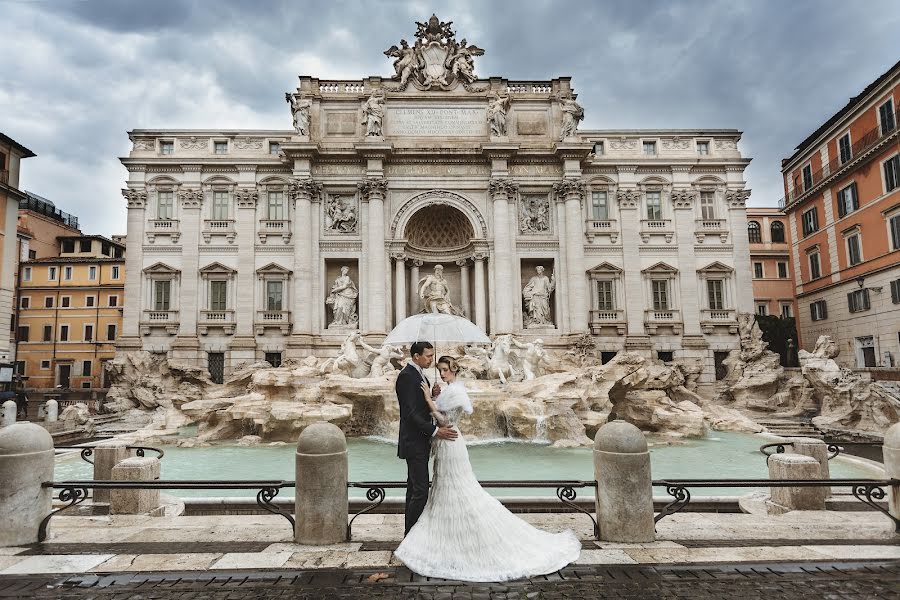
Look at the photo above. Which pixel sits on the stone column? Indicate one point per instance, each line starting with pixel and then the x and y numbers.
pixel 9 413
pixel 373 191
pixel 321 506
pixel 579 302
pixel 132 308
pixel 26 461
pixel 464 287
pixel 189 293
pixel 134 502
pixel 243 346
pixel 414 287
pixel 302 191
pixel 400 285
pixel 624 485
pixel 480 294
pixel 737 213
pixel 106 456
pixel 690 300
pixel 501 190
pixel 891 451
pixel 635 303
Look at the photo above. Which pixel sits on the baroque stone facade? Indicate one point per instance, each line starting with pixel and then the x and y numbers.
pixel 236 237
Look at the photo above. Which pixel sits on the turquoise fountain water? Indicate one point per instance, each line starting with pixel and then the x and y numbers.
pixel 719 456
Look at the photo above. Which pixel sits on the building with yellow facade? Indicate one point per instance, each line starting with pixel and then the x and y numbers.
pixel 11 153
pixel 70 313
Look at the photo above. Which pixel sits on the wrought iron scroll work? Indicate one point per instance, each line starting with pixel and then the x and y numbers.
pixel 264 499
pixel 139 451
pixel 682 497
pixel 779 449
pixel 870 494
pixel 375 495
pixel 72 495
pixel 834 450
pixel 567 495
pixel 85 453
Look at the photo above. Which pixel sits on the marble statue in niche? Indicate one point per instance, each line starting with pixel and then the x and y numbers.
pixel 342 300
pixel 537 299
pixel 435 294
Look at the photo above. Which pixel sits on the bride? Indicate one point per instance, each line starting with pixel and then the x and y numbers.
pixel 464 533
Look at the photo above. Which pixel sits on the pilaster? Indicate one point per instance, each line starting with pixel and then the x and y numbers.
pixel 372 192
pixel 683 206
pixel 500 192
pixel 572 192
pixel 737 203
pixel 301 191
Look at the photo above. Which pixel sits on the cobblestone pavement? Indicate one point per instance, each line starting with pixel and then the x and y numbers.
pixel 870 580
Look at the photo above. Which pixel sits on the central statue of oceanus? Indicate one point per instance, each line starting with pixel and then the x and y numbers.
pixel 435 294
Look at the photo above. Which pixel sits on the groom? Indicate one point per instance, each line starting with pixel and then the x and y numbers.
pixel 417 429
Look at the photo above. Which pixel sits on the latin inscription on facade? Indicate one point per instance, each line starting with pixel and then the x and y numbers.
pixel 437 122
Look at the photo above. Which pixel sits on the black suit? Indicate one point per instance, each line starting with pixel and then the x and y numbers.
pixel 414 445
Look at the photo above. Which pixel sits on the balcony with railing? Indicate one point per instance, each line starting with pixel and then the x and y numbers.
pixel 714 227
pixel 864 149
pixel 612 319
pixel 36 204
pixel 158 227
pixel 213 227
pixel 651 227
pixel 280 319
pixel 4 176
pixel 216 318
pixel 270 227
pixel 595 227
pixel 162 319
pixel 654 319
pixel 710 318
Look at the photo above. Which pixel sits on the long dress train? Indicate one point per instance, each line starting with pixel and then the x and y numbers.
pixel 465 533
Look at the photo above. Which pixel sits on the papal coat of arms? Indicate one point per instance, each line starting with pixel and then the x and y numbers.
pixel 436 59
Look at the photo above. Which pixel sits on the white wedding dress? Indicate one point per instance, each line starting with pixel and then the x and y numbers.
pixel 466 534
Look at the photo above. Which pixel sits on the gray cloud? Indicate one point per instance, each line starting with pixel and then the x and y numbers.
pixel 78 75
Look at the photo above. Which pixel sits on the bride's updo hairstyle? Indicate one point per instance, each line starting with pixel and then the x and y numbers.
pixel 450 362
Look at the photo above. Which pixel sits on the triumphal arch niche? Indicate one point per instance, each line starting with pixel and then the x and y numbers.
pixel 635 238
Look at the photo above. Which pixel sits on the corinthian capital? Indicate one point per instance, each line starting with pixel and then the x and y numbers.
pixel 569 189
pixel 135 198
pixel 502 188
pixel 683 198
pixel 372 187
pixel 246 198
pixel 305 188
pixel 628 198
pixel 190 197
pixel 737 198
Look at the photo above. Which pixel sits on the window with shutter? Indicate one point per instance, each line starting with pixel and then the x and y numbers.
pixel 895 291
pixel 217 300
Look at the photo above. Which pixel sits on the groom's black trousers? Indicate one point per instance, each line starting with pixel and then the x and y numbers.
pixel 416 488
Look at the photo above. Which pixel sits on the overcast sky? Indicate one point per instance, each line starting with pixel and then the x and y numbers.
pixel 75 76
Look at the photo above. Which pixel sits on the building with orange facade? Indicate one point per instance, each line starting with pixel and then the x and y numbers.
pixel 11 154
pixel 70 313
pixel 842 202
pixel 770 261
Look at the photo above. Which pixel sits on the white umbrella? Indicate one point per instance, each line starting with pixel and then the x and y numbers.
pixel 437 328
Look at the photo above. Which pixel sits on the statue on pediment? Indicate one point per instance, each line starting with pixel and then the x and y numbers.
pixel 300 108
pixel 436 58
pixel 572 114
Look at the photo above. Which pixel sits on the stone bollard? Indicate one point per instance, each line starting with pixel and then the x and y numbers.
pixel 8 416
pixel 624 487
pixel 106 456
pixel 891 451
pixel 796 466
pixel 813 448
pixel 321 507
pixel 134 502
pixel 26 461
pixel 52 411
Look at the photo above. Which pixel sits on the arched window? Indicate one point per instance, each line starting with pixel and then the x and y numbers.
pixel 754 232
pixel 777 230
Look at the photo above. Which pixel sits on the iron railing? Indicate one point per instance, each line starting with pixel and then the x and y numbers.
pixel 48 210
pixel 868 141
pixel 87 451
pixel 834 448
pixel 867 491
